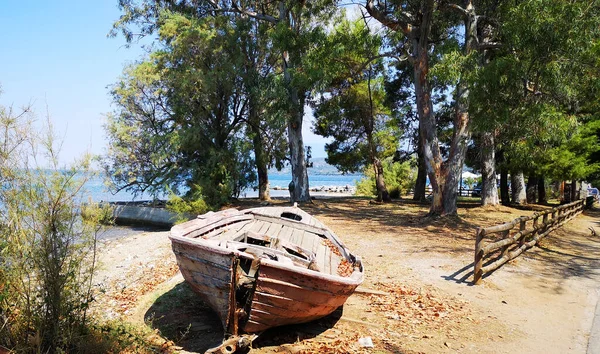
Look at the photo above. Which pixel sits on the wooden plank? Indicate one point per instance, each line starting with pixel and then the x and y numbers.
pixel 309 311
pixel 256 226
pixel 311 242
pixel 320 258
pixel 264 228
pixel 286 233
pixel 298 299
pixel 294 224
pixel 335 263
pixel 327 260
pixel 317 282
pixel 273 230
pixel 228 234
pixel 198 227
pixel 201 254
pixel 194 266
pixel 297 236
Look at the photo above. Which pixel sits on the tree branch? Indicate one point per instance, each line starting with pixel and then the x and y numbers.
pixel 489 45
pixel 254 14
pixel 401 24
pixel 458 9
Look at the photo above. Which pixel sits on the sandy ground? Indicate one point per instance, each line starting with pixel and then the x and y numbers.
pixel 543 302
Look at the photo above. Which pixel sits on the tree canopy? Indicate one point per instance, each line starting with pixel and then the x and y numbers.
pixel 222 95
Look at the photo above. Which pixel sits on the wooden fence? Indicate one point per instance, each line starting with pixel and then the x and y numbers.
pixel 518 236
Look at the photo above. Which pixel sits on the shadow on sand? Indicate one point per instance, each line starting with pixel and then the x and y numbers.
pixel 182 317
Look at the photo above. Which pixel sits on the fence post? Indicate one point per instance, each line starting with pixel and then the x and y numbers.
pixel 477 274
pixel 521 229
pixel 505 248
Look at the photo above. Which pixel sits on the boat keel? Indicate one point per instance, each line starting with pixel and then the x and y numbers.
pixel 234 344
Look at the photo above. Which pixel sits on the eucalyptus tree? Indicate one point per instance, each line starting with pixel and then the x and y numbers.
pixel 351 107
pixel 294 29
pixel 297 26
pixel 532 89
pixel 424 27
pixel 265 121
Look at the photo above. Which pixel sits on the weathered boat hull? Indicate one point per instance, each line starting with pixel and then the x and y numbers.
pixel 252 292
pixel 284 297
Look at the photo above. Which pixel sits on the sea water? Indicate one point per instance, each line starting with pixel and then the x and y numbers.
pixel 98 191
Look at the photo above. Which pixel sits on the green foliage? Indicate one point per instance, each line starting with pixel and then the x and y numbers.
pixel 352 107
pixel 471 182
pixel 538 89
pixel 179 122
pixel 193 205
pixel 399 179
pixel 47 250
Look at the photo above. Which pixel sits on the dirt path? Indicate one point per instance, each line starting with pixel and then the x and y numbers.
pixel 541 303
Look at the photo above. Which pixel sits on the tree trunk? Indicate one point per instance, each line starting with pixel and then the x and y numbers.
pixel 382 192
pixel 517 182
pixel 260 155
pixel 263 180
pixel 504 194
pixel 462 133
pixel 299 191
pixel 532 183
pixel 542 198
pixel 443 177
pixel 427 129
pixel 574 191
pixel 489 191
pixel 421 182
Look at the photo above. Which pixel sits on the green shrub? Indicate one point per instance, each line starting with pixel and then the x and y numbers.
pixel 399 179
pixel 47 250
pixel 190 206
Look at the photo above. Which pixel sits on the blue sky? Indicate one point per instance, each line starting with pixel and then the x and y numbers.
pixel 57 54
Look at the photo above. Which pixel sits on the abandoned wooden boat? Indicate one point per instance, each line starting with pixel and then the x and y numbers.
pixel 265 267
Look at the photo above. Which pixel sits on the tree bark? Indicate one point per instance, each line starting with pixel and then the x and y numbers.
pixel 517 182
pixel 297 159
pixel 574 191
pixel 421 182
pixel 299 191
pixel 504 194
pixel 427 130
pixel 532 182
pixel 261 161
pixel 542 198
pixel 444 177
pixel 462 133
pixel 489 191
pixel 382 192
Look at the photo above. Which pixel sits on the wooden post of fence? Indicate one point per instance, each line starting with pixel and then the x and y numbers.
pixel 545 222
pixel 505 235
pixel 521 230
pixel 477 273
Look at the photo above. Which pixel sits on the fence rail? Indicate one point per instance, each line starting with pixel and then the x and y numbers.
pixel 517 236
